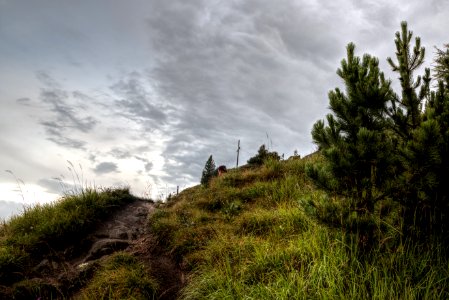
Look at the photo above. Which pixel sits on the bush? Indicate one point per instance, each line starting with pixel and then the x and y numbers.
pixel 262 155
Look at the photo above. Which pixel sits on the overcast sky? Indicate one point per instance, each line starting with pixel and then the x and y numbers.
pixel 140 93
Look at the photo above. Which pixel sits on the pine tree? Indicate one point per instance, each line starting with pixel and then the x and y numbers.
pixel 208 171
pixel 354 142
pixel 419 138
pixel 441 68
pixel 408 61
pixel 426 158
pixel 379 144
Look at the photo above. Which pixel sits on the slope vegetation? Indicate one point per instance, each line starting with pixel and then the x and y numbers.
pixel 253 233
pixel 268 233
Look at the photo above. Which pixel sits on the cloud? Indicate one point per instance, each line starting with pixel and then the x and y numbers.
pixel 147 163
pixel 138 103
pixel 66 119
pixel 149 166
pixel 106 167
pixel 9 208
pixel 120 153
pixel 24 100
pixel 55 134
pixel 236 70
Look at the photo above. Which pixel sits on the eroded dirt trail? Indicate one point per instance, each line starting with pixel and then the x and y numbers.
pixel 126 230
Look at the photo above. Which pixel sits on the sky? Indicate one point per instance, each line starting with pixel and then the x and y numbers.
pixel 109 93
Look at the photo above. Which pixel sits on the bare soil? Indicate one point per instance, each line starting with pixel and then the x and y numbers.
pixel 66 272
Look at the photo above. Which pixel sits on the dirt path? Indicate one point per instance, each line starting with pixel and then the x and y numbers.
pixel 126 230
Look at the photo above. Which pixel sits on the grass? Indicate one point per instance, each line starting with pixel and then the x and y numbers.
pixel 42 230
pixel 254 233
pixel 121 276
pixel 268 233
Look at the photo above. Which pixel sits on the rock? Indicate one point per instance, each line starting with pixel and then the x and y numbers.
pixel 121 233
pixel 105 247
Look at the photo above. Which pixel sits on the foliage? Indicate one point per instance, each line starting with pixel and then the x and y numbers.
pixel 422 140
pixel 262 155
pixel 354 143
pixel 208 171
pixel 254 236
pixel 406 110
pixel 380 145
pixel 441 68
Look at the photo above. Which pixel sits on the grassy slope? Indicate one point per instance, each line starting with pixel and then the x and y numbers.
pixel 253 234
pixel 256 234
pixel 43 230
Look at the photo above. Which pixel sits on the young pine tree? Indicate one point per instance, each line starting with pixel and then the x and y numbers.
pixel 441 67
pixel 419 134
pixel 426 158
pixel 208 171
pixel 354 141
pixel 406 111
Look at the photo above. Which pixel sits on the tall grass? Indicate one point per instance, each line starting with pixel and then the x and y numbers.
pixel 289 240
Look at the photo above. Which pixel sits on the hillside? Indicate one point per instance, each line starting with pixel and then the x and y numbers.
pixel 88 246
pixel 254 233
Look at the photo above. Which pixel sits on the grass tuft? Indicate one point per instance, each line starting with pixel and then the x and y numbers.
pixel 121 276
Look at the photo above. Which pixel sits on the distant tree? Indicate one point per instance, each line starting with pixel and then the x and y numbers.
pixel 262 155
pixel 208 171
pixel 296 154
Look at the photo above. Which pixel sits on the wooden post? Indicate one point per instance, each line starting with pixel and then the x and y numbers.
pixel 238 152
pixel 177 190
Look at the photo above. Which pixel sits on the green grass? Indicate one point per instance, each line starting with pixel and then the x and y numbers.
pixel 254 233
pixel 121 276
pixel 43 229
pixel 268 233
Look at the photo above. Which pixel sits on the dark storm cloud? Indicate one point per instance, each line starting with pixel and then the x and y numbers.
pixel 105 167
pixel 211 61
pixel 239 70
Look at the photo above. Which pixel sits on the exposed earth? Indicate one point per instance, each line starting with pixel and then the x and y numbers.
pixel 126 230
